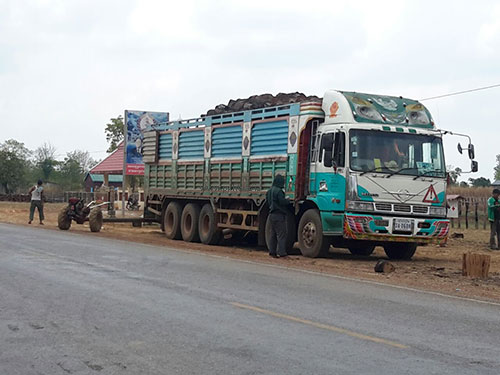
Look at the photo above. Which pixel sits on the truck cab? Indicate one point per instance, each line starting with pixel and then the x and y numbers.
pixel 377 176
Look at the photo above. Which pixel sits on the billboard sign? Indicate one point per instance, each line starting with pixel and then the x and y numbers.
pixel 136 123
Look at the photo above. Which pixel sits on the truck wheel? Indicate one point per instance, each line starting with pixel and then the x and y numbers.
pixel 189 222
pixel 63 221
pixel 361 249
pixel 400 250
pixel 291 233
pixel 207 226
pixel 312 243
pixel 172 221
pixel 95 220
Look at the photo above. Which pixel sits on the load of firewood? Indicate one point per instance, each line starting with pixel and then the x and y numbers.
pixel 261 101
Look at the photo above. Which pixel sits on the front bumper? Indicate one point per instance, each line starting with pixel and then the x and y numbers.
pixel 384 228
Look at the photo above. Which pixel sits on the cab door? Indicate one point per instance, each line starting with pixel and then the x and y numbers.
pixel 330 176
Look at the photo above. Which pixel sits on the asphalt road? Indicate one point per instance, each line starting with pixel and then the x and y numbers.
pixel 79 304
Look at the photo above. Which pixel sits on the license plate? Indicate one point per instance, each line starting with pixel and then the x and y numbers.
pixel 403 225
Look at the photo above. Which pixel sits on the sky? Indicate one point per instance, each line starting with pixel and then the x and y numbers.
pixel 68 66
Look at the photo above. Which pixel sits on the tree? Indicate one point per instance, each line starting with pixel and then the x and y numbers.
pixel 479 182
pixel 454 174
pixel 497 168
pixel 73 169
pixel 14 165
pixel 45 160
pixel 114 133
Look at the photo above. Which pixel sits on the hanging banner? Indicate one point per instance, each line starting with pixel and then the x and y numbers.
pixel 136 123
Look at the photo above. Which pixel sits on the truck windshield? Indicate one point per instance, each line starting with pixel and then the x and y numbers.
pixel 396 153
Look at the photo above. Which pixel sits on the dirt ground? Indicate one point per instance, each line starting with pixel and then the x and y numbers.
pixel 432 268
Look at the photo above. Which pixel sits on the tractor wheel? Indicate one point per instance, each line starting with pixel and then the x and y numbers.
pixel 291 234
pixel 312 243
pixel 361 249
pixel 189 222
pixel 95 220
pixel 63 221
pixel 403 251
pixel 172 221
pixel 207 226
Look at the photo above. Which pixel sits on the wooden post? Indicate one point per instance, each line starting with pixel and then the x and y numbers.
pixel 476 217
pixel 459 213
pixel 467 214
pixel 475 265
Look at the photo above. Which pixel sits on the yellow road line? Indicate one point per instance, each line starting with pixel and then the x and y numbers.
pixel 321 325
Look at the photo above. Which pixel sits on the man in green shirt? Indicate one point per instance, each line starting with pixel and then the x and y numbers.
pixel 494 219
pixel 278 207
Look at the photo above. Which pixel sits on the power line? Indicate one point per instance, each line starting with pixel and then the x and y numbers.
pixel 461 92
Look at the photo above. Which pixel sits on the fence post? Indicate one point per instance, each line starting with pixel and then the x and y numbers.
pixel 485 216
pixel 459 213
pixel 476 217
pixel 467 214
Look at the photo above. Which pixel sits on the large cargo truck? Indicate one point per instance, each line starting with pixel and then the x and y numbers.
pixel 361 171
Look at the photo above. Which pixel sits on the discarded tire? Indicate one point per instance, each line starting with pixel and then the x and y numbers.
pixel 172 221
pixel 95 220
pixel 189 222
pixel 63 221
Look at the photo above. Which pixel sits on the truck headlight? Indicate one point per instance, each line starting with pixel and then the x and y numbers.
pixel 437 211
pixel 360 206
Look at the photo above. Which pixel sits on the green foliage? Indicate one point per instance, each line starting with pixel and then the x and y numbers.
pixel 14 165
pixel 114 133
pixel 45 160
pixel 478 182
pixel 454 174
pixel 497 168
pixel 71 171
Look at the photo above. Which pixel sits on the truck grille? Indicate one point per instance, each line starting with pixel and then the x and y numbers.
pixel 402 208
pixel 383 206
pixel 420 209
pixel 406 208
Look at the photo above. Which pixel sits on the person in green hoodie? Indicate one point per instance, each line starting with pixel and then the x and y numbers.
pixel 494 219
pixel 278 208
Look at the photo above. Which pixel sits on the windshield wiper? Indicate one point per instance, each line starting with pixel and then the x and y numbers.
pixel 427 172
pixel 376 169
pixel 399 170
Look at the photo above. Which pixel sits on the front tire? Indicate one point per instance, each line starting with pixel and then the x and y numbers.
pixel 312 243
pixel 63 220
pixel 403 251
pixel 209 233
pixel 95 220
pixel 189 223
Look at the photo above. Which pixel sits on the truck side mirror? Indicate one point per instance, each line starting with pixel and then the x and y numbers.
pixel 459 148
pixel 474 166
pixel 471 151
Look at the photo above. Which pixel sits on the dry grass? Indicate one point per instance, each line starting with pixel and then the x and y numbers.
pixel 470 192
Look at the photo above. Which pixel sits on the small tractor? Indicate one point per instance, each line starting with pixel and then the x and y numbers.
pixel 77 210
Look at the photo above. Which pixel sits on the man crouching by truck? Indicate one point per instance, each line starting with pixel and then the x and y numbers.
pixel 278 208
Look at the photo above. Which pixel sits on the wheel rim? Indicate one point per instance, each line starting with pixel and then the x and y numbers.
pixel 309 234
